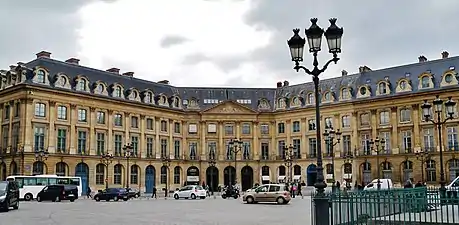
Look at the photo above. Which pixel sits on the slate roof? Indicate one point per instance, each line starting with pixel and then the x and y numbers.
pixel 354 81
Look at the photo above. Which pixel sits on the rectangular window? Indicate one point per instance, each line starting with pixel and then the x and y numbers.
pixel 384 117
pixel 17 109
pixel 15 136
pixel 82 115
pixel 100 143
pixel 452 138
pixel 150 147
pixel 163 126
pixel 311 125
pixel 6 114
pixel 100 117
pixel 150 124
pixel 192 128
pixel 5 129
pixel 193 147
pixel 281 149
pixel 82 142
pixel 246 128
pixel 346 121
pixel 365 119
pixel 177 149
pixel 312 147
pixel 387 149
pixel 328 123
pixel 61 140
pixel 212 150
pixel 118 120
pixel 264 129
pixel 229 152
pixel 135 145
pixel 40 109
pixel 428 139
pixel 118 144
pixel 296 126
pixel 406 138
pixel 297 148
pixel 39 142
pixel 405 115
pixel 134 122
pixel 280 128
pixel 177 129
pixel 164 151
pixel 246 150
pixel 347 147
pixel 229 129
pixel 264 151
pixel 366 147
pixel 212 128
pixel 61 112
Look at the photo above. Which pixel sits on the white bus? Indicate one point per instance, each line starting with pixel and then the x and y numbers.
pixel 29 186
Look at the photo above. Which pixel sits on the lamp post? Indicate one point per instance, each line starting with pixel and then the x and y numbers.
pixel 329 136
pixel 439 122
pixel 127 153
pixel 288 161
pixel 422 156
pixel 377 142
pixel 41 155
pixel 106 159
pixel 166 162
pixel 296 44
pixel 212 163
pixel 235 146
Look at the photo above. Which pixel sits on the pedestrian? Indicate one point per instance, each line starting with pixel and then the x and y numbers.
pixel 418 184
pixel 293 190
pixel 408 184
pixel 154 193
pixel 88 192
pixel 300 186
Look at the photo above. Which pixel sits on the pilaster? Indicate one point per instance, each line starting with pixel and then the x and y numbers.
pixel 394 135
pixel 157 144
pixel 72 134
pixel 416 129
pixel 355 131
pixel 52 130
pixel 272 132
pixel 221 143
pixel 127 127
pixel 171 138
pixel 304 129
pixel 142 139
pixel 288 132
pixel 256 151
pixel 110 138
pixel 92 131
pixel 202 133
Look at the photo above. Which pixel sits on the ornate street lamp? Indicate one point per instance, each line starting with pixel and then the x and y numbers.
pixel 288 161
pixel 439 122
pixel 329 138
pixel 128 153
pixel 422 156
pixel 235 146
pixel 167 163
pixel 41 155
pixel 212 163
pixel 106 159
pixel 377 143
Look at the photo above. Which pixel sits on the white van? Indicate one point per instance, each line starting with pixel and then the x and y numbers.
pixel 385 184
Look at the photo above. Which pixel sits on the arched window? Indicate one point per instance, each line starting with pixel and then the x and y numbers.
pixel 41 76
pixel 453 165
pixel 163 175
pixel 431 171
pixel 345 94
pixel 118 91
pixel 297 170
pixel 348 168
pixel 61 169
pixel 176 102
pixel 327 96
pixel 386 168
pixel 382 88
pixel 38 168
pixel 407 171
pixel 265 171
pixel 117 174
pixel 311 98
pixel 425 83
pixel 100 174
pixel 177 175
pixel 81 85
pixel 134 174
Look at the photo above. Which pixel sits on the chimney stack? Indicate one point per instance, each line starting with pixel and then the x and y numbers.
pixel 286 83
pixel 444 54
pixel 43 54
pixel 21 63
pixel 12 67
pixel 114 70
pixel 364 69
pixel 279 84
pixel 422 59
pixel 73 61
pixel 128 74
pixel 344 73
pixel 163 82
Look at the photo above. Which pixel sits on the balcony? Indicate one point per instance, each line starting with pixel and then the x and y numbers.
pixel 327 155
pixel 429 149
pixel 150 155
pixel 312 155
pixel 280 157
pixel 264 157
pixel 192 158
pixel 452 147
pixel 406 151
pixel 364 152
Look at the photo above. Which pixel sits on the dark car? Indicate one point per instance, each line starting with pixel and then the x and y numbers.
pixel 133 193
pixel 114 194
pixel 58 192
pixel 9 195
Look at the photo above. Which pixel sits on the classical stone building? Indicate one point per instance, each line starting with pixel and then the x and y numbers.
pixel 78 113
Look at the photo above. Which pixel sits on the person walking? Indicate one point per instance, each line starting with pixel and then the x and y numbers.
pixel 154 193
pixel 88 192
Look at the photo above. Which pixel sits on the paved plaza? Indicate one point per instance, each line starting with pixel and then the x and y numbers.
pixel 160 212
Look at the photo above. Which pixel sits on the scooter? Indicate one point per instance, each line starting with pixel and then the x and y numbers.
pixel 230 192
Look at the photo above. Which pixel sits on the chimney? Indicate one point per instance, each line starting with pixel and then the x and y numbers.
pixel 444 54
pixel 343 73
pixel 286 83
pixel 73 61
pixel 163 82
pixel 43 54
pixel 364 69
pixel 12 67
pixel 128 74
pixel 114 70
pixel 422 59
pixel 21 63
pixel 279 84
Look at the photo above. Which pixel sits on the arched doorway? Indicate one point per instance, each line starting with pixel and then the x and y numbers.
pixel 212 177
pixel 297 174
pixel 150 180
pixel 265 175
pixel 177 175
pixel 366 172
pixel 82 171
pixel 3 171
pixel 61 169
pixel 281 174
pixel 229 175
pixel 347 172
pixel 192 176
pixel 246 178
pixel 407 171
pixel 38 168
pixel 311 175
pixel 453 167
pixel 386 168
pixel 14 168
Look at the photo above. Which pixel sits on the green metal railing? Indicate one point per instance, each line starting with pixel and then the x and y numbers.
pixel 411 206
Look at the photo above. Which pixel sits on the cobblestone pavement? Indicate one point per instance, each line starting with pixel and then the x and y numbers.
pixel 159 212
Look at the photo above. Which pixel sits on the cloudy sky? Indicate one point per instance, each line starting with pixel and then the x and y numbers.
pixel 222 42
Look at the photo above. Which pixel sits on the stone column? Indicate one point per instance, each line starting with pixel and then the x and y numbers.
pixel 157 144
pixel 416 129
pixel 256 145
pixel 110 138
pixel 72 137
pixel 394 135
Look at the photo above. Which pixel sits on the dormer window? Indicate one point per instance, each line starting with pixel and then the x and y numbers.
pixel 81 85
pixel 363 90
pixel 41 76
pixel 100 88
pixel 310 98
pixel 176 102
pixel 425 82
pixel 382 88
pixel 118 91
pixel 148 97
pixel 327 97
pixel 449 78
pixel 403 84
pixel 345 94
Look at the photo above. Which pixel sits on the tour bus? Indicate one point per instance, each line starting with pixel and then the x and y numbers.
pixel 29 186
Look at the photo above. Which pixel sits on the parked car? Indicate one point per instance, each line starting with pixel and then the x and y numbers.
pixel 57 193
pixel 268 193
pixel 190 191
pixel 114 194
pixel 9 195
pixel 384 184
pixel 133 192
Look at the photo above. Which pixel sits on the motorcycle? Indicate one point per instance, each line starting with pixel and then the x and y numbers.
pixel 230 192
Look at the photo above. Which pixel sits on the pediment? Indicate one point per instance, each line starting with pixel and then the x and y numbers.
pixel 229 107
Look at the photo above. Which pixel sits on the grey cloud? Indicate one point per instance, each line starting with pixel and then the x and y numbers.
pixel 170 41
pixel 226 63
pixel 31 26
